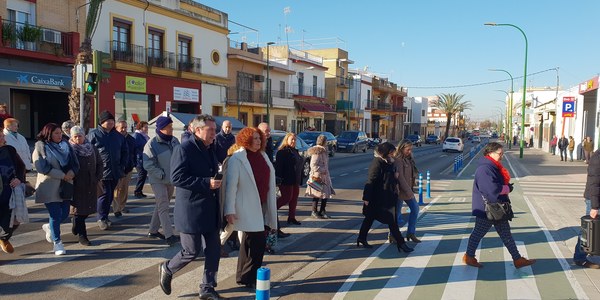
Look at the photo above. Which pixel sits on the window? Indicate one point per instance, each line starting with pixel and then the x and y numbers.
pixel 132 107
pixel 184 53
pixel 314 86
pixel 244 118
pixel 422 113
pixel 245 87
pixel 341 96
pixel 155 47
pixel 19 19
pixel 300 83
pixel 121 40
pixel 282 89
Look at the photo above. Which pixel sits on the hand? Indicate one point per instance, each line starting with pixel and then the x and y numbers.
pixel 366 202
pixel 69 176
pixel 594 213
pixel 511 186
pixel 215 184
pixel 14 182
pixel 231 218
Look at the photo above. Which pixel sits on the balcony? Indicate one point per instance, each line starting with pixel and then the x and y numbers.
pixel 310 91
pixel 344 105
pixel 43 43
pixel 236 95
pixel 151 57
pixel 344 82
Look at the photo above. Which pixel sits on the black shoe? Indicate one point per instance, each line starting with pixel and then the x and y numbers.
pixel 281 234
pixel 83 240
pixel 364 243
pixel 125 210
pixel 248 285
pixel 293 222
pixel 405 248
pixel 118 214
pixel 172 240
pixel 139 195
pixel 164 278
pixel 211 295
pixel 156 235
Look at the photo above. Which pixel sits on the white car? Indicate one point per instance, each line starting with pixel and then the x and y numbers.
pixel 453 144
pixel 476 139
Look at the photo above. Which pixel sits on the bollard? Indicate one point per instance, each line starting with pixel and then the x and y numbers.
pixel 263 284
pixel 428 185
pixel 420 188
pixel 455 164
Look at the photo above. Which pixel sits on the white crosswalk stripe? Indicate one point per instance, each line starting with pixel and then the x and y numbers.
pixel 463 279
pixel 520 283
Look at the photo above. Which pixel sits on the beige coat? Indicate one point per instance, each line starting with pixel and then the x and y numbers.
pixel 241 195
pixel 405 172
pixel 47 186
pixel 319 168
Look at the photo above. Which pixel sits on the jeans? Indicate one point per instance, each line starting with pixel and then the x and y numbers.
pixel 563 154
pixel 106 198
pixel 570 155
pixel 412 217
pixel 59 211
pixel 579 254
pixel 142 175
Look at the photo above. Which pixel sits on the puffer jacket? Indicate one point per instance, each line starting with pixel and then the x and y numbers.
pixel 157 159
pixel 319 168
pixel 113 151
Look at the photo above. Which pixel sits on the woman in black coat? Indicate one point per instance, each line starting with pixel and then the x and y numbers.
pixel 379 197
pixel 288 167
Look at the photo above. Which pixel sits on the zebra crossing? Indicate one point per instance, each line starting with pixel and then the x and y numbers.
pixel 562 190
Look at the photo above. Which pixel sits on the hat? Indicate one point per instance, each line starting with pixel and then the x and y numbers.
pixel 105 116
pixel 76 130
pixel 162 122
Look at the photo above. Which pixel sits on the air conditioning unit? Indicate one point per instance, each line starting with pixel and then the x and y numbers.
pixel 259 78
pixel 51 36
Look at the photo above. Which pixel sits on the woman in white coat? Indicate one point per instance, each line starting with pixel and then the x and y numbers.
pixel 15 139
pixel 250 202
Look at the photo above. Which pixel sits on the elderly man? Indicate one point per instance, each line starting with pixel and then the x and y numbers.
pixel 264 127
pixel 66 129
pixel 114 153
pixel 15 139
pixel 223 141
pixel 122 188
pixel 193 169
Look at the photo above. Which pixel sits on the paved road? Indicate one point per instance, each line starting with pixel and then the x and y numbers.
pixel 320 260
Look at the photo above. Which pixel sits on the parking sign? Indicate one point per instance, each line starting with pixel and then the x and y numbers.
pixel 568 109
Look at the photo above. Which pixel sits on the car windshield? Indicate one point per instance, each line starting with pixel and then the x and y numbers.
pixel 309 135
pixel 451 140
pixel 413 137
pixel 348 135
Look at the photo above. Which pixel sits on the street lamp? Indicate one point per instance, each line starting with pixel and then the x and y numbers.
pixel 510 105
pixel 505 124
pixel 268 85
pixel 522 144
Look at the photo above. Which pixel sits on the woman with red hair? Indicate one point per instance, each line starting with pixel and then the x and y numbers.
pixel 250 202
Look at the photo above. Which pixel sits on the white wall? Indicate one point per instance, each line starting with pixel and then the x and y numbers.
pixel 212 95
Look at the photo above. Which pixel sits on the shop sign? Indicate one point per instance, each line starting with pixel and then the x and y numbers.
pixel 9 77
pixel 185 94
pixel 589 85
pixel 135 84
pixel 568 109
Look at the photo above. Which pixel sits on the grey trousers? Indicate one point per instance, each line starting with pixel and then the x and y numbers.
pixel 160 216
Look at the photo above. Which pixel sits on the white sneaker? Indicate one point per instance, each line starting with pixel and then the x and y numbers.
pixel 59 248
pixel 46 228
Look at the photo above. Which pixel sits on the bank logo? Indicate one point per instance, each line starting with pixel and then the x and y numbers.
pixel 22 79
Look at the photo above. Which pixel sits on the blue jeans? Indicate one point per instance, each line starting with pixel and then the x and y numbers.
pixel 59 211
pixel 579 254
pixel 412 217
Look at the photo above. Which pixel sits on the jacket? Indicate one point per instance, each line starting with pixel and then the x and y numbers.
pixel 241 195
pixel 50 173
pixel 571 144
pixel 20 144
pixel 85 194
pixel 196 205
pixel 12 166
pixel 140 141
pixel 563 143
pixel 157 159
pixel 319 168
pixel 588 146
pixel 288 166
pixel 113 151
pixel 222 143
pixel 592 184
pixel 380 188
pixel 553 142
pixel 405 171
pixel 186 135
pixel 488 183
pixel 131 158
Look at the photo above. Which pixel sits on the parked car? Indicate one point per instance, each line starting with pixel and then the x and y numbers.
pixel 373 142
pixel 310 137
pixel 301 146
pixel 352 141
pixel 453 144
pixel 415 139
pixel 432 139
pixel 476 139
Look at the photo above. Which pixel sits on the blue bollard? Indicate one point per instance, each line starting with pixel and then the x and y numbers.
pixel 420 188
pixel 263 284
pixel 455 165
pixel 428 185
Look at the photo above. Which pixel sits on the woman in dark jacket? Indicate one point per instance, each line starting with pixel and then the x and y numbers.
pixel 492 184
pixel 379 197
pixel 85 194
pixel 12 172
pixel 288 167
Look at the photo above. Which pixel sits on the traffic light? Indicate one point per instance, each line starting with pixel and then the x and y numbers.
pixel 91 83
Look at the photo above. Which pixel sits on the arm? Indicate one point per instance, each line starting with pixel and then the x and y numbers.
pixel 99 165
pixel 489 183
pixel 403 183
pixel 372 178
pixel 151 162
pixel 181 173
pixel 315 167
pixel 280 162
pixel 124 162
pixel 231 187
pixel 42 164
pixel 19 165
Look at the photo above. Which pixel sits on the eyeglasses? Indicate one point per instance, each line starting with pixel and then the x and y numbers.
pixel 499 153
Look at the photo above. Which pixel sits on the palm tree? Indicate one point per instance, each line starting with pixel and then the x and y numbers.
pixel 451 104
pixel 84 57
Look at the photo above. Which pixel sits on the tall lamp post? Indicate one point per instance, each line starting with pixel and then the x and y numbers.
pixel 510 105
pixel 522 144
pixel 268 85
pixel 505 124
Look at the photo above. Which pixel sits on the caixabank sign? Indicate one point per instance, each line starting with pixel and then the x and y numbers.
pixel 28 79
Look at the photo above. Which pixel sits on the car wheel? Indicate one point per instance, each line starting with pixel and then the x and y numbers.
pixel 354 149
pixel 364 149
pixel 332 152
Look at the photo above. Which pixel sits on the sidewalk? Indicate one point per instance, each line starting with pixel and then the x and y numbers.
pixel 536 162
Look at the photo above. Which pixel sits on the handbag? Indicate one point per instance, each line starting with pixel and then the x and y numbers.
pixel 314 184
pixel 500 211
pixel 65 190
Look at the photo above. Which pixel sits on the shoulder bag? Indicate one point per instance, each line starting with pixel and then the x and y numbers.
pixel 499 211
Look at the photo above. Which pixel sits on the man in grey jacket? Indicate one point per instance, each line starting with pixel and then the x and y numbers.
pixel 157 162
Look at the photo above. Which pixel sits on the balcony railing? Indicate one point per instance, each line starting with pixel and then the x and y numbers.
pixel 237 95
pixel 36 38
pixel 306 90
pixel 344 105
pixel 345 82
pixel 136 54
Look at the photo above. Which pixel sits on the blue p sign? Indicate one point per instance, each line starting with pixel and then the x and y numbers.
pixel 568 109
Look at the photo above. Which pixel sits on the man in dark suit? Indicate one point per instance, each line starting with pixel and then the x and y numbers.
pixel 193 166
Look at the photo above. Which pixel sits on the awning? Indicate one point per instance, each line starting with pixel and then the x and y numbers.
pixel 315 107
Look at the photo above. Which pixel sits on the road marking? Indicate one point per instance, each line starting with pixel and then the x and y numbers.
pixel 403 282
pixel 463 279
pixel 520 283
pixel 343 174
pixel 356 171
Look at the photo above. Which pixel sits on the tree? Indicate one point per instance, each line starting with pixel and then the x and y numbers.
pixel 451 104
pixel 84 57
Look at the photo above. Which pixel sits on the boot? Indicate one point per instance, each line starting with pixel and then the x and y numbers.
pixel 322 212
pixel 412 237
pixel 83 240
pixel 316 215
pixel 74 225
pixel 472 261
pixel 391 239
pixel 523 262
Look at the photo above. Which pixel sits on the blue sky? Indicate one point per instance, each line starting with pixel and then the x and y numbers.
pixel 439 43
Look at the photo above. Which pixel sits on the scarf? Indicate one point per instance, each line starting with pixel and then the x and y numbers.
pixel 60 151
pixel 503 171
pixel 163 136
pixel 84 150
